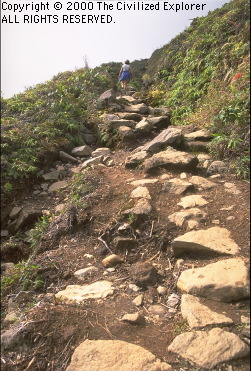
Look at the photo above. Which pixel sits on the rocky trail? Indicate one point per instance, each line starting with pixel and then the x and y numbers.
pixel 147 270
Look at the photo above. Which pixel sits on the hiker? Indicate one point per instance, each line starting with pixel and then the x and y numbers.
pixel 125 74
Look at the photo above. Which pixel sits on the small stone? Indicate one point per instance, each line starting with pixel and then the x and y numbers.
pixel 138 301
pixel 158 310
pixel 81 274
pixel 144 274
pixel 173 300
pixel 112 260
pixel 134 318
pixel 183 176
pixel 162 290
pixel 134 287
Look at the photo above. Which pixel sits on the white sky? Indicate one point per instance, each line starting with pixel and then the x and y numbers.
pixel 33 53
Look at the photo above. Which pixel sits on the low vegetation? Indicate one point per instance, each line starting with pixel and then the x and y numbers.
pixel 202 75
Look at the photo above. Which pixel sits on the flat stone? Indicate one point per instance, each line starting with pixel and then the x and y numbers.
pixel 202 135
pixel 199 315
pixel 177 186
pixel 81 274
pixel 159 122
pixel 201 182
pixel 82 151
pixel 167 137
pixel 225 280
pixel 218 346
pixel 143 182
pixel 130 116
pixel 157 310
pixel 65 157
pixel 140 192
pixel 103 151
pixel 192 201
pixel 114 355
pixel 171 159
pixel 143 126
pixel 77 294
pixel 57 185
pixel 180 217
pixel 213 240
pixel 92 161
pixel 135 159
pixel 142 207
pixel 140 108
pixel 134 318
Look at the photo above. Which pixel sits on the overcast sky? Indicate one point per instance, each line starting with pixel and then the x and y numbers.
pixel 34 52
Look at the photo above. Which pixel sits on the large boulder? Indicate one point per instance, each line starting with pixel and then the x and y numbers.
pixel 171 159
pixel 207 349
pixel 114 355
pixel 168 137
pixel 206 241
pixel 225 280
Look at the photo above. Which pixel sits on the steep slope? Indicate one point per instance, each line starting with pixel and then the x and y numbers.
pixel 203 76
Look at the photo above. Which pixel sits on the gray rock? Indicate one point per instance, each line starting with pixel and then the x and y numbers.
pixel 65 157
pixel 81 274
pixel 134 318
pixel 106 98
pixel 177 186
pixel 226 281
pixel 167 137
pixel 143 127
pixel 171 159
pixel 130 116
pixel 57 185
pixel 82 151
pixel 218 346
pixel 140 108
pixel 103 151
pixel 28 215
pixel 199 315
pixel 217 167
pixel 142 207
pixel 213 240
pixel 136 159
pixel 140 192
pixel 157 310
pixel 160 122
pixel 199 135
pixel 92 162
pixel 114 355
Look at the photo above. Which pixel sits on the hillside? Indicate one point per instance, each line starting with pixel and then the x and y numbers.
pixel 125 218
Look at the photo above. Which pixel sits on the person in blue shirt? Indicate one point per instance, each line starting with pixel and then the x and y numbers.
pixel 125 74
